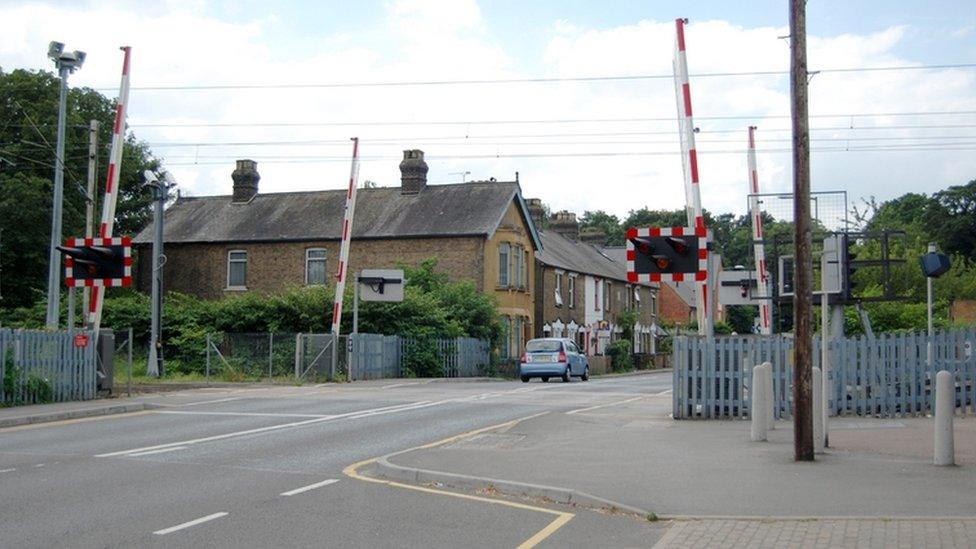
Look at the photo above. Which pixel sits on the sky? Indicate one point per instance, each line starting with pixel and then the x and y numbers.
pixel 605 144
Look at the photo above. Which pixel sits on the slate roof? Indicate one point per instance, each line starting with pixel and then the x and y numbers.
pixel 564 253
pixel 467 209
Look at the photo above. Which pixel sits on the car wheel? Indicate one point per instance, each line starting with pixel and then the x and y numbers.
pixel 545 379
pixel 568 375
pixel 525 379
pixel 586 373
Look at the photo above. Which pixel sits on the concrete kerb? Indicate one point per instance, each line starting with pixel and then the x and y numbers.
pixel 384 468
pixel 79 413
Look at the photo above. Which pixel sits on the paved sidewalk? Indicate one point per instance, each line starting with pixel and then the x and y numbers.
pixel 875 488
pixel 900 533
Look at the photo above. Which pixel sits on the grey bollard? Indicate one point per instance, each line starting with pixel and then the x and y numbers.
pixel 945 406
pixel 759 402
pixel 770 395
pixel 818 427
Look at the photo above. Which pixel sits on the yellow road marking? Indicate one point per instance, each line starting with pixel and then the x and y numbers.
pixel 562 518
pixel 72 421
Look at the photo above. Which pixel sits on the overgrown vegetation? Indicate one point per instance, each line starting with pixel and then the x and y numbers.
pixel 433 307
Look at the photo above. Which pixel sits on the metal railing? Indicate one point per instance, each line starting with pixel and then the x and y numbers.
pixel 887 375
pixel 249 356
pixel 38 367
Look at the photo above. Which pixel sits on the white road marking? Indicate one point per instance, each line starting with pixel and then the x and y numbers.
pixel 406 384
pixel 668 392
pixel 580 410
pixel 247 414
pixel 310 487
pixel 160 451
pixel 39 465
pixel 228 399
pixel 349 415
pixel 194 522
pixel 7 470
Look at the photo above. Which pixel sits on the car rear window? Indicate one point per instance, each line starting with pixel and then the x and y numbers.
pixel 543 346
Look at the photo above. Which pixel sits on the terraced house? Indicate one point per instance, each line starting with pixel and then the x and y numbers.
pixel 581 289
pixel 246 241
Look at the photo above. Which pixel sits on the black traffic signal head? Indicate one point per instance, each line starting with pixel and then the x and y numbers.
pixel 934 264
pixel 676 252
pixel 97 262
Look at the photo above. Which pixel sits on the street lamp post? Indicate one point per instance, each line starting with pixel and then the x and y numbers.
pixel 66 63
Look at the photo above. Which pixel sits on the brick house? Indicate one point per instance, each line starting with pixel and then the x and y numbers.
pixel 244 242
pixel 580 290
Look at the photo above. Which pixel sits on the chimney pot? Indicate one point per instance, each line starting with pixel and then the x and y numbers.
pixel 246 178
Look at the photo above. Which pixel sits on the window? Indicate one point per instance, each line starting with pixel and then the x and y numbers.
pixel 315 266
pixel 559 289
pixel 596 294
pixel 236 269
pixel 525 269
pixel 517 270
pixel 506 337
pixel 504 251
pixel 572 291
pixel 606 297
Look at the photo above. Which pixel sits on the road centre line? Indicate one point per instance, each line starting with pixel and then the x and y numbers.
pixel 194 522
pixel 581 410
pixel 562 517
pixel 244 414
pixel 310 487
pixel 349 415
pixel 160 451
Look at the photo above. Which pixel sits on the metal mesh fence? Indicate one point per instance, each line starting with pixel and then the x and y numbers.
pixel 239 357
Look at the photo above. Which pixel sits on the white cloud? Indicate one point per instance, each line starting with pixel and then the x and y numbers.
pixel 179 43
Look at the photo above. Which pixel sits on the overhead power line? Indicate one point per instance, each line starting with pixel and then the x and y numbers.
pixel 514 122
pixel 536 80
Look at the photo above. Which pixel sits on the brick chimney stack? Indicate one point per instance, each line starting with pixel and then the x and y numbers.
pixel 413 172
pixel 565 223
pixel 246 179
pixel 594 236
pixel 536 211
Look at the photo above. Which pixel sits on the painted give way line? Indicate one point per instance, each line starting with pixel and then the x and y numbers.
pixel 185 525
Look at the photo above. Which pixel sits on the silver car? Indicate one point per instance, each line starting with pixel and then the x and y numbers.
pixel 553 357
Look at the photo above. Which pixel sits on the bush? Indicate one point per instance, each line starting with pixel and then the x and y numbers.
pixel 620 356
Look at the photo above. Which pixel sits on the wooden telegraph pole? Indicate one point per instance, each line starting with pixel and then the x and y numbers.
pixel 802 240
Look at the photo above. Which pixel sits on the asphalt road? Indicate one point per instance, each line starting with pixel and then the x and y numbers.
pixel 263 467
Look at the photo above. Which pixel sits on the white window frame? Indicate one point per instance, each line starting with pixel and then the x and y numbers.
pixel 231 261
pixel 607 296
pixel 572 291
pixel 323 259
pixel 597 300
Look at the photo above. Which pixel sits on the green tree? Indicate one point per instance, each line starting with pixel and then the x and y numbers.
pixel 608 223
pixel 28 133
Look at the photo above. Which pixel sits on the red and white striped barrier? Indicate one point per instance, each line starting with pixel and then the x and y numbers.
pixel 112 181
pixel 689 158
pixel 759 249
pixel 346 237
pixel 69 263
pixel 647 232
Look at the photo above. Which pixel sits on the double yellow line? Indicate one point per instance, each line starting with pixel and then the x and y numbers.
pixel 561 517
